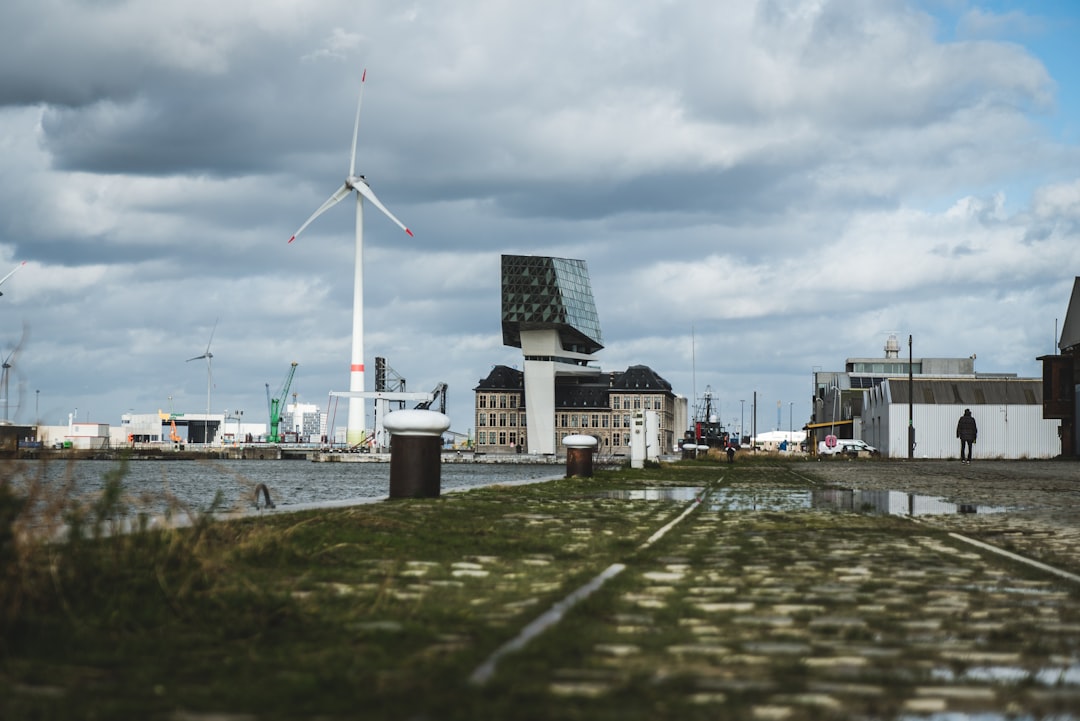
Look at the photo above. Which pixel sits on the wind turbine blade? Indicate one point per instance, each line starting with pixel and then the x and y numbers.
pixel 21 265
pixel 211 336
pixel 198 357
pixel 368 193
pixel 356 127
pixel 330 203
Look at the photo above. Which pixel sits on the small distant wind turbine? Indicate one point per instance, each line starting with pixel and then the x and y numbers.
pixel 4 381
pixel 11 273
pixel 209 379
pixel 354 434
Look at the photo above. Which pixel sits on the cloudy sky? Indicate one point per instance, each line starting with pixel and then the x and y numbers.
pixel 759 188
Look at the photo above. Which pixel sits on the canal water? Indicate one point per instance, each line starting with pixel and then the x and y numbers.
pixel 154 486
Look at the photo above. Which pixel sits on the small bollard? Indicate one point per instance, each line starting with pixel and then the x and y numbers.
pixel 579 455
pixel 415 452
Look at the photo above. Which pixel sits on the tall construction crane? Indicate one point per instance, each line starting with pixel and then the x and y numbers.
pixel 275 404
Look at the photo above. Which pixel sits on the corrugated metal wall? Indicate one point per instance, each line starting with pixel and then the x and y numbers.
pixel 1005 431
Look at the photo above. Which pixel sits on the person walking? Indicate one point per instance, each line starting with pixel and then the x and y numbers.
pixel 967 431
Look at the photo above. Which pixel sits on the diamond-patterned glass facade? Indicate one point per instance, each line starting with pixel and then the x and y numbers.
pixel 540 292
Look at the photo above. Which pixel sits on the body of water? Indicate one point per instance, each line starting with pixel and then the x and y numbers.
pixel 149 485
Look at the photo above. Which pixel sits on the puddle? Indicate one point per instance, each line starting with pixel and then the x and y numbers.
pixel 674 493
pixel 896 503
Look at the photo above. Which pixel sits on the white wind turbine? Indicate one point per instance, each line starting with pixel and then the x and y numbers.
pixel 209 378
pixel 355 431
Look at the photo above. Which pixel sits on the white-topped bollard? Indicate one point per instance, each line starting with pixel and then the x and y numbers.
pixel 415 452
pixel 579 455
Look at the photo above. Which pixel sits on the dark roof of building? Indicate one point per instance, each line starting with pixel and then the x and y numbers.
pixel 968 392
pixel 581 394
pixel 1070 330
pixel 502 378
pixel 639 377
pixel 576 392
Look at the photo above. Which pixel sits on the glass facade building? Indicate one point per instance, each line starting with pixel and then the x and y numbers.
pixel 544 293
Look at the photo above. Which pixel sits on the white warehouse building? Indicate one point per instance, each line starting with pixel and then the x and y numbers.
pixel 1007 410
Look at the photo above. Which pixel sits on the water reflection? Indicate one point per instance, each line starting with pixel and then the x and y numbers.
pixel 897 503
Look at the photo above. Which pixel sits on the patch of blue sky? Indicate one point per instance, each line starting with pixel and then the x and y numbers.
pixel 1048 29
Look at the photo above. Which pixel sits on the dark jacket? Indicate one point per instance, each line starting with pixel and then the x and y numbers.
pixel 966 430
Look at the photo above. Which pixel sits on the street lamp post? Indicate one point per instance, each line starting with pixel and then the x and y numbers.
pixel 742 410
pixel 790 423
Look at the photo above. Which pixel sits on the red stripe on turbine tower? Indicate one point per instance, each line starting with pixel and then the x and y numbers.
pixel 357 367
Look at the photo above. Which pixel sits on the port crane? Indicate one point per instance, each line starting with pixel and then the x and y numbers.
pixel 275 404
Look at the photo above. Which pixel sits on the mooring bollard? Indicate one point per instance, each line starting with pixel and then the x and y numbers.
pixel 415 452
pixel 579 455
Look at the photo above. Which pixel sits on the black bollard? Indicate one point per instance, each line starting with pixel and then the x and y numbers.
pixel 579 455
pixel 415 452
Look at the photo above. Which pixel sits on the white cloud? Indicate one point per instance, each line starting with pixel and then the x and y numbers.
pixel 791 180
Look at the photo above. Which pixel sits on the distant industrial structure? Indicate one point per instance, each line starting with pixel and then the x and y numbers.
pixel 879 399
pixel 548 311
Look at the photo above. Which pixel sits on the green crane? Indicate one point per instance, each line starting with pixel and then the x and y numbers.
pixel 275 404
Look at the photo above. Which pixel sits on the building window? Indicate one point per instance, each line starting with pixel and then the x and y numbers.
pixel 595 421
pixel 616 403
pixel 513 438
pixel 614 439
pixel 483 400
pixel 502 401
pixel 513 419
pixel 522 419
pixel 513 401
pixel 626 421
pixel 481 419
pixel 637 403
pixel 605 421
pixel 481 438
pixel 502 420
pixel 584 420
pixel 502 438
pixel 491 419
pixel 565 421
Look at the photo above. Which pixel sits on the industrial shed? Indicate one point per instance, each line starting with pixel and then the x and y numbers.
pixel 1007 410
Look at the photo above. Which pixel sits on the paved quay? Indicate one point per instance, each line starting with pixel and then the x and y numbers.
pixel 843 589
pixel 768 589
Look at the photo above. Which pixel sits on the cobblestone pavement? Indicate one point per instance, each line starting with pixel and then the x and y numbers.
pixel 766 603
pixel 1030 507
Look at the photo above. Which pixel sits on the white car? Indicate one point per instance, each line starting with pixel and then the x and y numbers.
pixel 848 447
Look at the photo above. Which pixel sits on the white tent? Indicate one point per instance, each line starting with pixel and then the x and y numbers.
pixel 771 440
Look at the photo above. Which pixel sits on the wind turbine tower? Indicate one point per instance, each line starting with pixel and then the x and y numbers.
pixel 354 182
pixel 209 380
